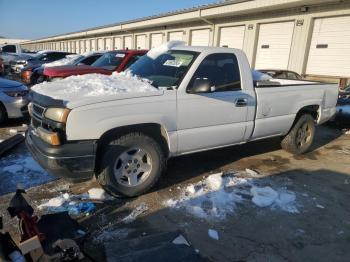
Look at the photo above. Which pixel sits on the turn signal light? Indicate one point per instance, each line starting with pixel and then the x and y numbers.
pixel 49 137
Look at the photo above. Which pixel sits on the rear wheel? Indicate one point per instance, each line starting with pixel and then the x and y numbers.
pixel 131 165
pixel 301 136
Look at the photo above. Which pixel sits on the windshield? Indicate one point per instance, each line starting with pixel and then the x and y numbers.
pixel 110 60
pixel 166 70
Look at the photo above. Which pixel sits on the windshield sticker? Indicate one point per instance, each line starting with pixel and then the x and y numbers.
pixel 120 55
pixel 174 63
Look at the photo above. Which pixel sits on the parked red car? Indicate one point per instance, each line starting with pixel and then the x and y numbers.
pixel 113 61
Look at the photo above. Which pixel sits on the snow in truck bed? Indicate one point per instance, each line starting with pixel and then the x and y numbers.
pixel 93 85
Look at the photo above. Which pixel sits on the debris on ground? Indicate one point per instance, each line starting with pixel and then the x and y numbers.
pixel 320 206
pixel 218 195
pixel 180 240
pixel 213 234
pixel 135 213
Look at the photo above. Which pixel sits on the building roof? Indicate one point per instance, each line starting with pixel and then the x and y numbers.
pixel 179 11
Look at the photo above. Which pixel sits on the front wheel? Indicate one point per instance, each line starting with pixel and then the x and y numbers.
pixel 301 136
pixel 131 165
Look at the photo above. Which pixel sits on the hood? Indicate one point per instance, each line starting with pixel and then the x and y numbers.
pixel 80 90
pixel 5 83
pixel 69 70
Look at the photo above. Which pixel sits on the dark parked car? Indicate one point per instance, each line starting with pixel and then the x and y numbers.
pixel 282 74
pixel 37 76
pixel 342 116
pixel 43 57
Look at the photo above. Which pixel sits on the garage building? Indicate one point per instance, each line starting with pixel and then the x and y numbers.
pixel 310 37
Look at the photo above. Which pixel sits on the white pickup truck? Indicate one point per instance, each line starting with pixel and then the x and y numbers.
pixel 199 98
pixel 9 52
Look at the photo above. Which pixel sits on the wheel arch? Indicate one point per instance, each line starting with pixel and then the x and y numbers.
pixel 312 110
pixel 154 130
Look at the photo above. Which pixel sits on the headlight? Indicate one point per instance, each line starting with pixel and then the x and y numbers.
pixel 16 93
pixel 57 114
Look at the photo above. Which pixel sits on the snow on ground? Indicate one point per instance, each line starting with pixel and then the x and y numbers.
pixel 21 169
pixel 92 85
pixel 218 195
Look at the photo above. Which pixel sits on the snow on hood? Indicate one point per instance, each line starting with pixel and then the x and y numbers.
pixel 91 86
pixel 64 61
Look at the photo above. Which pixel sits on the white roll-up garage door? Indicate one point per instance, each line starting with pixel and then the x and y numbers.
pixel 156 40
pixel 128 42
pixel 141 42
pixel 117 43
pixel 88 45
pixel 200 37
pixel 77 49
pixel 330 47
pixel 82 46
pixel 176 36
pixel 232 37
pixel 93 44
pixel 108 43
pixel 100 44
pixel 274 45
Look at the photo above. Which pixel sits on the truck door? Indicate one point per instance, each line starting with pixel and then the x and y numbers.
pixel 217 117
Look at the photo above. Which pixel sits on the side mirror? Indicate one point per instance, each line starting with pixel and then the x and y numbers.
pixel 201 85
pixel 0 49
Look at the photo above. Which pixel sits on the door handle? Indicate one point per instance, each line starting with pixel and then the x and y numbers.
pixel 241 102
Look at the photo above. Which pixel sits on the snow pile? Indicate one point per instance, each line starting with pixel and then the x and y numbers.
pixel 92 85
pixel 159 50
pixel 21 169
pixel 267 197
pixel 68 60
pixel 214 197
pixel 213 234
pixel 97 194
pixel 218 195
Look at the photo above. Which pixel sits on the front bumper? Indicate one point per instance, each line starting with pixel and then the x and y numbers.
pixel 74 160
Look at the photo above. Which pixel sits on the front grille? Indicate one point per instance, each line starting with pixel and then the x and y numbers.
pixel 37 115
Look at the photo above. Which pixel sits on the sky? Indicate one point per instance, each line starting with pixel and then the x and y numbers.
pixel 32 19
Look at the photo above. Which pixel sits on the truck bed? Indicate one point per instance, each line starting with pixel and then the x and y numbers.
pixel 277 105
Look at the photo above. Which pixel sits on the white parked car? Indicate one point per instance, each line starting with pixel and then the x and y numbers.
pixel 13 99
pixel 190 99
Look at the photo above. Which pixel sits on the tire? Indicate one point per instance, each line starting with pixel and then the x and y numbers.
pixel 130 152
pixel 301 136
pixel 3 114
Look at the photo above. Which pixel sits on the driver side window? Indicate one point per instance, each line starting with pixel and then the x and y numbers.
pixel 222 71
